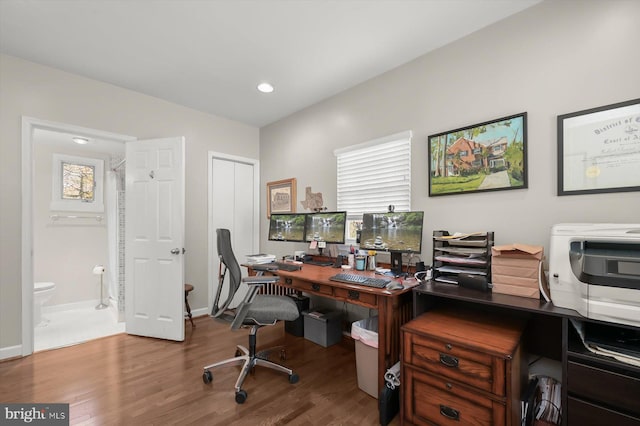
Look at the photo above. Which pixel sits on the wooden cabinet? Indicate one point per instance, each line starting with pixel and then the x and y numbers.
pixel 462 367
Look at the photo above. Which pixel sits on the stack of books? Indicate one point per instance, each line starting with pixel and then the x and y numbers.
pixel 261 258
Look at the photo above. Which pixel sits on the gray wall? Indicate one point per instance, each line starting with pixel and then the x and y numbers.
pixel 48 94
pixel 554 58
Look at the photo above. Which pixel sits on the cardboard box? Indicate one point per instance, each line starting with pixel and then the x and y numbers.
pixel 515 269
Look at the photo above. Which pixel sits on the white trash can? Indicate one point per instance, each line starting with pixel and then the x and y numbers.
pixel 365 333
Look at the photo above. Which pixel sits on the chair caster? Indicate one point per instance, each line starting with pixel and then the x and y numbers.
pixel 241 396
pixel 283 355
pixel 293 378
pixel 207 377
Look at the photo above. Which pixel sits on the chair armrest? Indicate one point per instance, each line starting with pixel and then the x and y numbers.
pixel 262 279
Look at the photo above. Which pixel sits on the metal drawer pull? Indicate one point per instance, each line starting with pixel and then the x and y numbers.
pixel 288 281
pixel 316 287
pixel 449 412
pixel 354 295
pixel 448 360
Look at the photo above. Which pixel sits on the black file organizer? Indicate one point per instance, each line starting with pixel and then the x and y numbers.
pixel 473 274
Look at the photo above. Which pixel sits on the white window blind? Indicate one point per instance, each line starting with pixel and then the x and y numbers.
pixel 375 174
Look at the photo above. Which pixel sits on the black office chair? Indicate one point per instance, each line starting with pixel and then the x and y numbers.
pixel 255 311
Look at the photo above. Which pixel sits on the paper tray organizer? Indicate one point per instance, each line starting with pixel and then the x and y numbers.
pixel 460 258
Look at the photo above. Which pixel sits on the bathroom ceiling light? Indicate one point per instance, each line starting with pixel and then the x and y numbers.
pixel 265 87
pixel 81 141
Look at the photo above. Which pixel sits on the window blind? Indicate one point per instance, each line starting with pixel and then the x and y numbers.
pixel 375 174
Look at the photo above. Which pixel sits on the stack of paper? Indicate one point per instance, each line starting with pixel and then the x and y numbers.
pixel 548 407
pixel 257 259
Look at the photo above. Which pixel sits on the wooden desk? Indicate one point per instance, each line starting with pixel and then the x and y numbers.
pixel 596 389
pixel 394 307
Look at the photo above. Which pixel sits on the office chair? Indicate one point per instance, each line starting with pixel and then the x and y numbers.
pixel 255 311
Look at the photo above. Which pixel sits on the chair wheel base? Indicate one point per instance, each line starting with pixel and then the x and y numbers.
pixel 207 377
pixel 293 378
pixel 241 396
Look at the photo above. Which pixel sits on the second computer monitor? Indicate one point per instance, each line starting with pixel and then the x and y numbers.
pixel 326 226
pixel 395 232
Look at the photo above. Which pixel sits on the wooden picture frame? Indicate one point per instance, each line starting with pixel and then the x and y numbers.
pixel 599 149
pixel 489 156
pixel 281 196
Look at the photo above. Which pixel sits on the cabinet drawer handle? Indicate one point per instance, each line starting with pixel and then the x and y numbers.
pixel 354 295
pixel 288 281
pixel 315 287
pixel 448 360
pixel 449 412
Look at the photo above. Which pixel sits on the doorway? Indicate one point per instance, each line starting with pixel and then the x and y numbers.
pixel 78 298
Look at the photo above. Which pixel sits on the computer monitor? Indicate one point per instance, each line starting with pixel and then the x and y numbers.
pixel 394 232
pixel 326 226
pixel 287 227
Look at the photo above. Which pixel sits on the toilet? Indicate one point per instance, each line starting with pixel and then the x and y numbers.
pixel 42 292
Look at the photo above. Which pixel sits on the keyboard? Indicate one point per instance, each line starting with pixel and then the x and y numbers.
pixel 361 280
pixel 287 266
pixel 317 262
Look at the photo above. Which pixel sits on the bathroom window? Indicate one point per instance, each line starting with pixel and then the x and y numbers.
pixel 77 184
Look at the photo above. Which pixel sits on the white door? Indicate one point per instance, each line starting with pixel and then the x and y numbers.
pixel 154 223
pixel 235 206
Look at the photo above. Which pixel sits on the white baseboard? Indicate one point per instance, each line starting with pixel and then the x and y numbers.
pixel 11 352
pixel 199 312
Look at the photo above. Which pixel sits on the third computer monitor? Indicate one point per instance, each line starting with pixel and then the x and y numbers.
pixel 397 233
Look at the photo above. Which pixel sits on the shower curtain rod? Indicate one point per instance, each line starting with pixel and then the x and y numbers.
pixel 124 160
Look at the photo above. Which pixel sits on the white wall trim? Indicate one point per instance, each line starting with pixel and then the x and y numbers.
pixel 200 312
pixel 29 124
pixel 10 352
pixel 211 155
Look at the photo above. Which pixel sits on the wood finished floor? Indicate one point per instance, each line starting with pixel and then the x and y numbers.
pixel 127 380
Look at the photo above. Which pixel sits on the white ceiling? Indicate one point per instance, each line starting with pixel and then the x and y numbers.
pixel 210 54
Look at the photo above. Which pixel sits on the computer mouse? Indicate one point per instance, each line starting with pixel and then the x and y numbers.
pixel 394 285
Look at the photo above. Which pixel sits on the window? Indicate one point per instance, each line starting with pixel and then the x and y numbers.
pixel 77 184
pixel 373 175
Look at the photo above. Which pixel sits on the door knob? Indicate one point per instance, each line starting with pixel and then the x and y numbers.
pixel 175 251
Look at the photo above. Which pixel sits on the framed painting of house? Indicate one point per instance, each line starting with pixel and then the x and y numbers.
pixel 489 156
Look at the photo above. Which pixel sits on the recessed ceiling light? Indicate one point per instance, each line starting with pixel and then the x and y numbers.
pixel 81 141
pixel 265 87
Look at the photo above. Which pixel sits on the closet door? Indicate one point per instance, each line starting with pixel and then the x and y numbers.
pixel 234 205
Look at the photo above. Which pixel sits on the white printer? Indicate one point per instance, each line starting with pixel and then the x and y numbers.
pixel 594 268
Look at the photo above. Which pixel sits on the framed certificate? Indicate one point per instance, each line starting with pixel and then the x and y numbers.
pixel 599 149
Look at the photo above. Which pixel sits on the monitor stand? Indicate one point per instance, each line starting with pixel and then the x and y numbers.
pixel 396 264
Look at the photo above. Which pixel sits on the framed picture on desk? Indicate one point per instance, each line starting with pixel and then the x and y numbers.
pixel 281 196
pixel 489 156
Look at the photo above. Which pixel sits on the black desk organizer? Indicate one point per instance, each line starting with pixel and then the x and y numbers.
pixel 465 262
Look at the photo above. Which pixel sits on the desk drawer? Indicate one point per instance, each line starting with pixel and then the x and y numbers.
pixel 308 286
pixel 611 389
pixel 357 296
pixel 449 360
pixel 434 400
pixel 582 413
